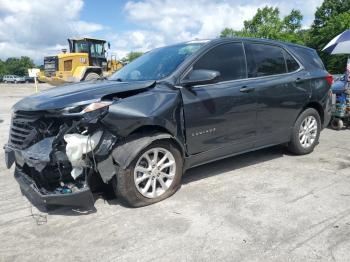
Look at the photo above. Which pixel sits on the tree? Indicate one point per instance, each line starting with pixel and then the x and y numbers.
pixel 3 70
pixel 18 66
pixel 328 9
pixel 131 56
pixel 331 19
pixel 267 23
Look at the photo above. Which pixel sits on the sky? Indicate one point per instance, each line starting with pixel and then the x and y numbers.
pixel 37 28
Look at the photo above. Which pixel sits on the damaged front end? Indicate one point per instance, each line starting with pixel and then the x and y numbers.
pixel 57 151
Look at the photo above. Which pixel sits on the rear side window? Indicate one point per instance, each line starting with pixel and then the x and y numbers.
pixel 228 59
pixel 292 65
pixel 309 57
pixel 265 60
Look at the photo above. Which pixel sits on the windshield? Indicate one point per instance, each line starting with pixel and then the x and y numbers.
pixel 156 64
pixel 81 47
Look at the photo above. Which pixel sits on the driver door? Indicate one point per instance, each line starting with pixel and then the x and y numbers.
pixel 221 116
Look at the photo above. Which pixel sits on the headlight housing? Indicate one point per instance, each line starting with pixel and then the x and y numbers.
pixel 80 110
pixel 96 106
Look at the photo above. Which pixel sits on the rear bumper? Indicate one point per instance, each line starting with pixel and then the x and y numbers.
pixel 82 198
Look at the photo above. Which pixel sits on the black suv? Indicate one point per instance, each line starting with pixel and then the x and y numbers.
pixel 173 108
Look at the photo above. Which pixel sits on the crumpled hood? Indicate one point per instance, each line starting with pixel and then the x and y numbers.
pixel 77 94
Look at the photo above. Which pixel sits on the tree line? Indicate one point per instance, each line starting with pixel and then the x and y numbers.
pixel 16 66
pixel 331 19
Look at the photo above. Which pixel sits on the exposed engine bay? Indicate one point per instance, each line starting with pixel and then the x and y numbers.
pixel 58 153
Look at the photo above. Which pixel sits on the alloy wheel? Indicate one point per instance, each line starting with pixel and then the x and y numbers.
pixel 308 132
pixel 154 172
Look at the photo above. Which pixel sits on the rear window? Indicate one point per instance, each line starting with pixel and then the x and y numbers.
pixel 265 60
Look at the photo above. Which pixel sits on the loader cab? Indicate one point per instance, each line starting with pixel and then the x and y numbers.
pixel 95 48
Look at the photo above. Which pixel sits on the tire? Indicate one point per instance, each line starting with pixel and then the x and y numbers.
pixel 124 184
pixel 91 76
pixel 5 82
pixel 15 82
pixel 303 141
pixel 337 124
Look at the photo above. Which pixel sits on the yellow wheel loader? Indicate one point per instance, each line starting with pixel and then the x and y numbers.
pixel 85 61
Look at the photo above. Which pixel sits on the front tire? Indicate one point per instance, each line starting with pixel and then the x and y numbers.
pixel 154 175
pixel 305 133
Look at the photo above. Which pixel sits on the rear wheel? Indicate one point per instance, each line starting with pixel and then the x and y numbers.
pixel 91 76
pixel 305 133
pixel 154 174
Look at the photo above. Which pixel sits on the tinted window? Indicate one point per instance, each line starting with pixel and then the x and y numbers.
pixel 292 65
pixel 265 60
pixel 309 57
pixel 228 59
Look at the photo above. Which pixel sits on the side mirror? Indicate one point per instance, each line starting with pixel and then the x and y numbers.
pixel 201 77
pixel 109 45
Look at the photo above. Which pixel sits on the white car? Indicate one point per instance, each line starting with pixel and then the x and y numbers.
pixel 13 79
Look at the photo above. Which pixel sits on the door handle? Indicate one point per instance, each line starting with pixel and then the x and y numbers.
pixel 299 80
pixel 246 89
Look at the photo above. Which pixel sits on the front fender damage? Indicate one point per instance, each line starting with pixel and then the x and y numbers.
pixel 124 152
pixel 70 149
pixel 60 165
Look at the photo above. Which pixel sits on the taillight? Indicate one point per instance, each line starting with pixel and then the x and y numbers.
pixel 330 79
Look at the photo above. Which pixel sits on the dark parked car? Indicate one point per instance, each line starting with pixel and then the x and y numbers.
pixel 173 108
pixel 29 79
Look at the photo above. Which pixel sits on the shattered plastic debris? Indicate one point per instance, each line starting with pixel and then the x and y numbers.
pixel 77 146
pixel 38 155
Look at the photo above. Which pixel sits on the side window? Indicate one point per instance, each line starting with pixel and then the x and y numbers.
pixel 292 65
pixel 228 59
pixel 265 60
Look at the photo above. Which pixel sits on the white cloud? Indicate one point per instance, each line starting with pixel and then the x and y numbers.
pixel 182 20
pixel 39 27
pixel 35 28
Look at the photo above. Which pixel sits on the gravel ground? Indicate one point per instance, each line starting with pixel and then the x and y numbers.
pixel 261 206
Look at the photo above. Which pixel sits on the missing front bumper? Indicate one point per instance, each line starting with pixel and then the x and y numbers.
pixel 81 198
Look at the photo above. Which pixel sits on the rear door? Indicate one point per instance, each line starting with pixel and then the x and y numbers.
pixel 220 115
pixel 281 88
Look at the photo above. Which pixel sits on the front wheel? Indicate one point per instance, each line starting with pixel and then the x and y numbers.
pixel 155 174
pixel 91 76
pixel 305 133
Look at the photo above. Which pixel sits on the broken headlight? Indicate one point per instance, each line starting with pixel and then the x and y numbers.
pixel 79 110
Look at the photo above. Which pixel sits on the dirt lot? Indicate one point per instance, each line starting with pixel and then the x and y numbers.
pixel 262 206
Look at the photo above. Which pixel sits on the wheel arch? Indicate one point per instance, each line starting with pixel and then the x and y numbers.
pixel 317 106
pixel 80 72
pixel 149 130
pixel 97 70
